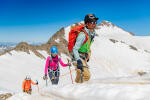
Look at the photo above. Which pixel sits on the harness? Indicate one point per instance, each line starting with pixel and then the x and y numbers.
pixel 51 70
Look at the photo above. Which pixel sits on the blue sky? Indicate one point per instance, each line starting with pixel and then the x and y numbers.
pixel 37 20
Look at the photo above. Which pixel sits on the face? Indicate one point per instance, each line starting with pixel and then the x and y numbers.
pixel 28 80
pixel 91 25
pixel 54 54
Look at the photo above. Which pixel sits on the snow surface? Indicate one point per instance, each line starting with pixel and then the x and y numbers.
pixel 57 40
pixel 114 71
pixel 141 42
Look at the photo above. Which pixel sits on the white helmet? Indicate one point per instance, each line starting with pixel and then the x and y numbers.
pixel 28 77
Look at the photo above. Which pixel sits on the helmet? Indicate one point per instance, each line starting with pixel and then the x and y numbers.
pixel 54 50
pixel 28 77
pixel 89 18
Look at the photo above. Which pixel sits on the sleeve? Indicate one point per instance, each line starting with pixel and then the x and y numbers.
pixel 23 85
pixel 33 83
pixel 79 41
pixel 62 64
pixel 47 64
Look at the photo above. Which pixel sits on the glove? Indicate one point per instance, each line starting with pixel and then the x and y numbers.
pixel 68 64
pixel 87 60
pixel 79 64
pixel 45 77
pixel 87 57
pixel 37 82
pixel 23 90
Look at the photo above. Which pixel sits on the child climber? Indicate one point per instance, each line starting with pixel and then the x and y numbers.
pixel 26 85
pixel 52 66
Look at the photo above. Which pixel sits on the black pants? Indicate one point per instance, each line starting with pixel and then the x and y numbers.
pixel 54 76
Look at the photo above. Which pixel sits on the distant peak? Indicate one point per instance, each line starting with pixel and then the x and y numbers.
pixel 23 46
pixel 77 24
pixel 23 43
pixel 106 23
pixel 111 25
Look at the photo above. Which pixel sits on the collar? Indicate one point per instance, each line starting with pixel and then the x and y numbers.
pixel 89 32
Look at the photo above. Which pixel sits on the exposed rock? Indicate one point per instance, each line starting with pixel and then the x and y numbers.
pixel 109 24
pixel 147 51
pixel 25 47
pixel 132 33
pixel 106 23
pixel 5 51
pixel 5 96
pixel 132 47
pixel 122 42
pixel 62 46
pixel 112 40
pixel 76 24
pixel 142 73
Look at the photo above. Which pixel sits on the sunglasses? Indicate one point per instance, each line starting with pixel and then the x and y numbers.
pixel 93 22
pixel 54 54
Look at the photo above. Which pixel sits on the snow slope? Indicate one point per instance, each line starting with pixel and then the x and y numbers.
pixel 114 71
pixel 114 32
pixel 15 67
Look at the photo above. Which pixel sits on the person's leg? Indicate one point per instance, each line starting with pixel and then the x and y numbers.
pixel 56 80
pixel 86 72
pixel 51 76
pixel 78 76
pixel 30 91
pixel 26 91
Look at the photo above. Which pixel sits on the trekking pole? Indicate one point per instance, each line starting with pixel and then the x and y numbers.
pixel 38 89
pixel 46 83
pixel 70 72
pixel 82 76
pixel 37 85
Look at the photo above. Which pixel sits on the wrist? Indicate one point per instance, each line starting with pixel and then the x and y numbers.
pixel 79 60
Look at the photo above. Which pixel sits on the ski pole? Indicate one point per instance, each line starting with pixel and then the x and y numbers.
pixel 70 72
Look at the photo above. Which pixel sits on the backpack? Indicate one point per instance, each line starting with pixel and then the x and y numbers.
pixel 73 35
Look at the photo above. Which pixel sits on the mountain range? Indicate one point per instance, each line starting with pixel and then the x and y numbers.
pixel 119 66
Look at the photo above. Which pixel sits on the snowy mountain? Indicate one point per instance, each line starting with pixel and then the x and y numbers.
pixel 6 46
pixel 119 66
pixel 110 30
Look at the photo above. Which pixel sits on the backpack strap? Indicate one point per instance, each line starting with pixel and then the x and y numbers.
pixel 89 54
pixel 51 61
pixel 87 37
